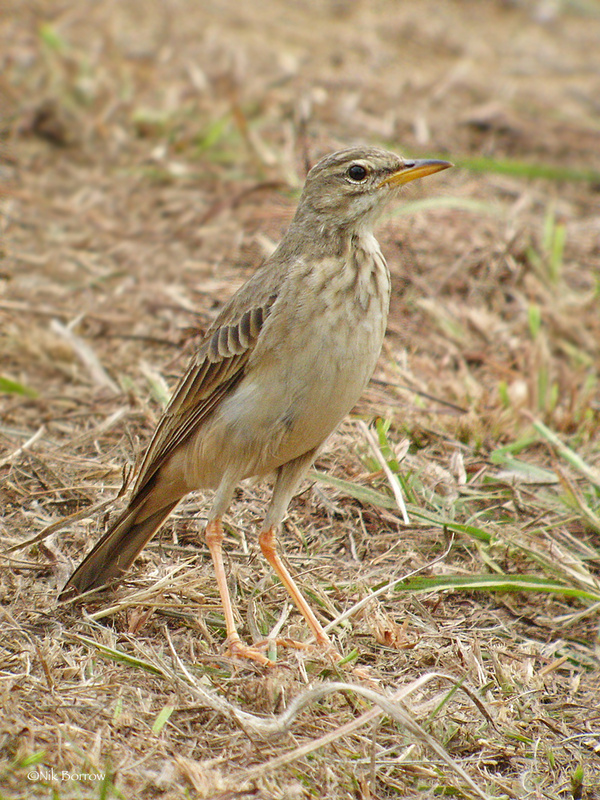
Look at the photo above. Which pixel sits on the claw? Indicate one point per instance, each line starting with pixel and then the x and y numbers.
pixel 237 649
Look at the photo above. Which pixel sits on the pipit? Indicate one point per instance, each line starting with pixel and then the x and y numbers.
pixel 284 361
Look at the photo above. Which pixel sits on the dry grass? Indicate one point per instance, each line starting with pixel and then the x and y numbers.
pixel 153 153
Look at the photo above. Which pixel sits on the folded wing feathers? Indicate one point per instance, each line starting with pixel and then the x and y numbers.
pixel 232 340
pixel 219 365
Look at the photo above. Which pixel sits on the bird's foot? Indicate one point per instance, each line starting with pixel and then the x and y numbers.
pixel 237 649
pixel 323 647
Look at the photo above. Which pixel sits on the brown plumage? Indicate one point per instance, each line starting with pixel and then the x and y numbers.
pixel 285 360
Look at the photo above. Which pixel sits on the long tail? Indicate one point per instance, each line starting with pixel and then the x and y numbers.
pixel 116 551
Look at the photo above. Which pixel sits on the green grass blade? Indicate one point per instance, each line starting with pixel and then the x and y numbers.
pixel 469 530
pixel 119 656
pixel 569 455
pixel 367 495
pixel 161 719
pixel 522 470
pixel 363 493
pixel 9 386
pixel 521 169
pixel 494 583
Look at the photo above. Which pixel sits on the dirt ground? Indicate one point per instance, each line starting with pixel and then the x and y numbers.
pixel 153 152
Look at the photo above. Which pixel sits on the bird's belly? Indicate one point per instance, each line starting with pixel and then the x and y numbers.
pixel 292 400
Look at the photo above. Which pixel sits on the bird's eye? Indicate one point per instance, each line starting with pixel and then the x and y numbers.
pixel 357 173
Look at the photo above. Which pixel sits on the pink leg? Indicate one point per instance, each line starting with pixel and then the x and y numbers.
pixel 214 540
pixel 268 545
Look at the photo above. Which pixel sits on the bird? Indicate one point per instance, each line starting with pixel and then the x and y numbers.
pixel 285 360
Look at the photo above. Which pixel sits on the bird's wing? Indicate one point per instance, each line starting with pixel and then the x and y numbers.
pixel 219 364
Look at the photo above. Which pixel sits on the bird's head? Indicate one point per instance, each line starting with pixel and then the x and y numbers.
pixel 351 187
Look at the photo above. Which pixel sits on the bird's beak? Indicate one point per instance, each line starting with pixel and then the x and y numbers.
pixel 411 170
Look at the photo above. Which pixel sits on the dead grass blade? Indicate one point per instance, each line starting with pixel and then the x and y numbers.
pixel 24 447
pixel 86 355
pixel 64 522
pixel 382 590
pixel 389 706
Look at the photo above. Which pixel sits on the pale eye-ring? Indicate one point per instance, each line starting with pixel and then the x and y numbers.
pixel 357 173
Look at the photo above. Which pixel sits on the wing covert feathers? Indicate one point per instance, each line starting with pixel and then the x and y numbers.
pixel 218 366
